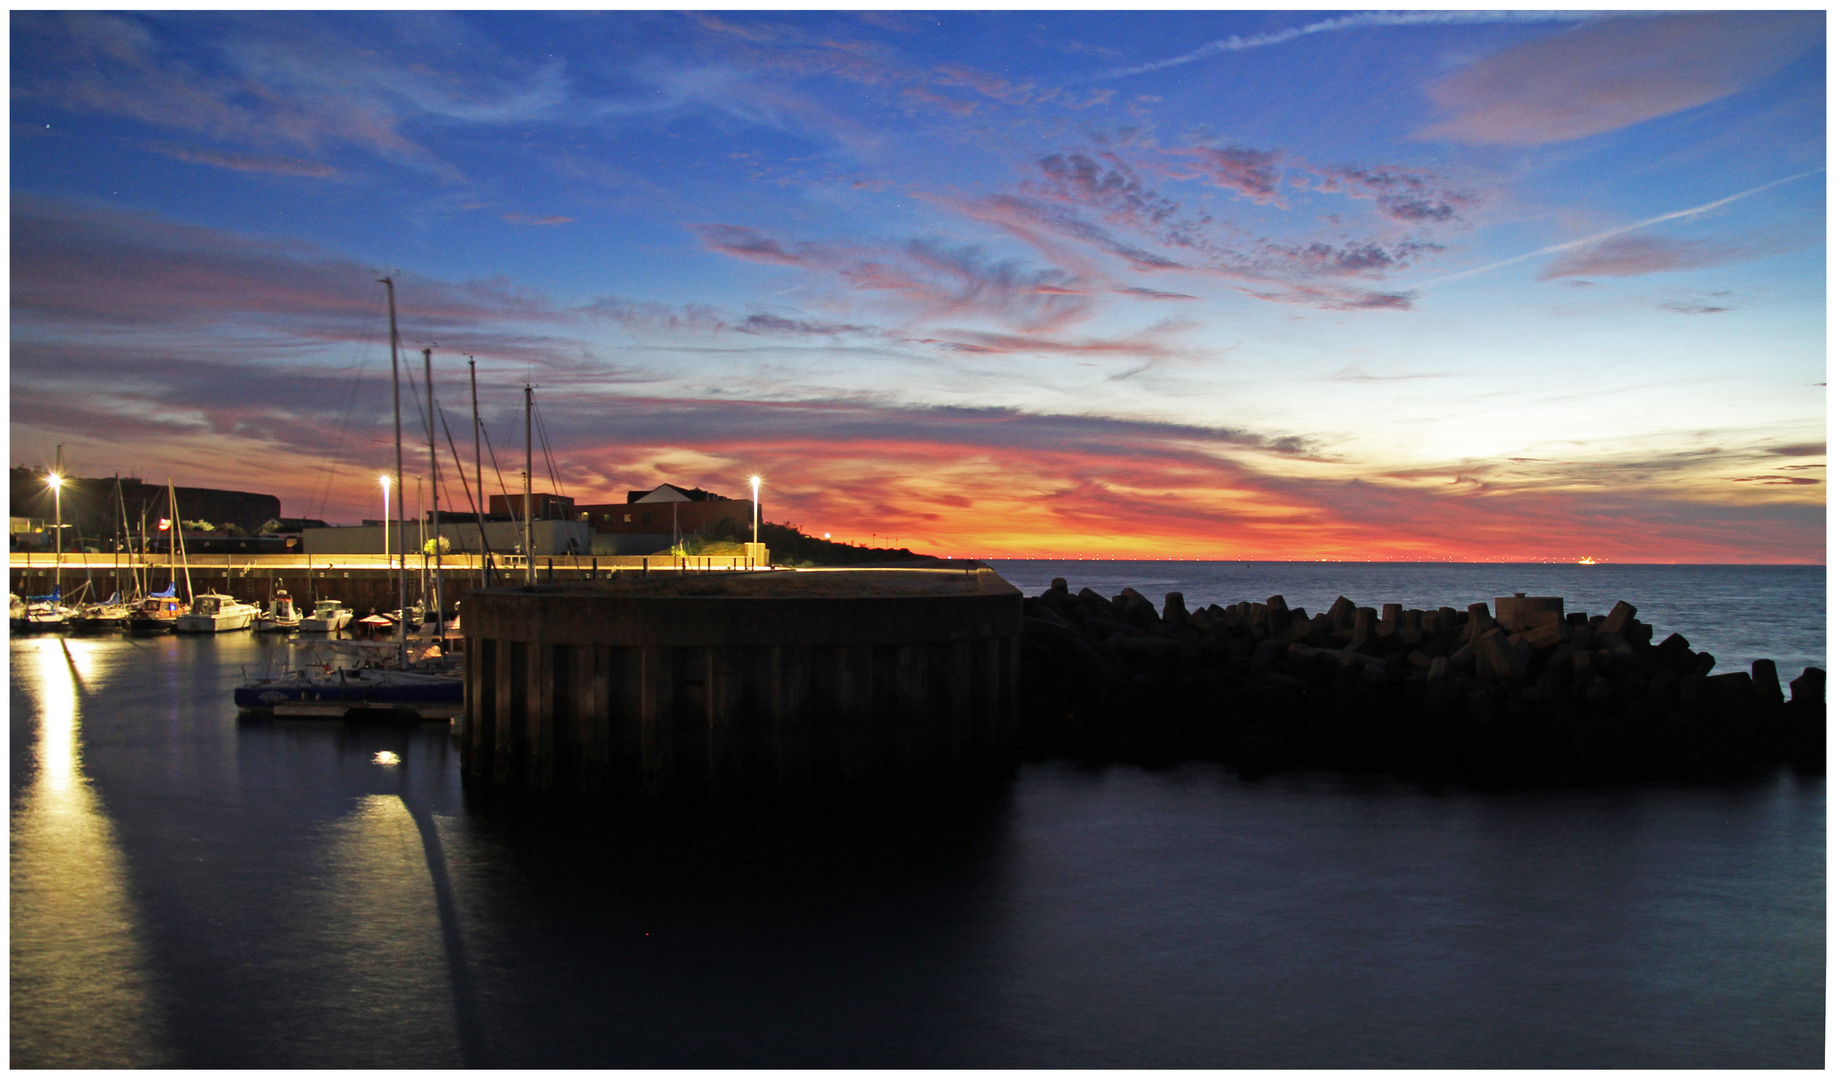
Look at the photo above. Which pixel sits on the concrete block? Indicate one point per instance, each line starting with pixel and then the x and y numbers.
pixel 1518 612
pixel 1808 688
pixel 1540 636
pixel 1392 617
pixel 1343 613
pixel 1174 613
pixel 1478 620
pixel 1766 682
pixel 1619 619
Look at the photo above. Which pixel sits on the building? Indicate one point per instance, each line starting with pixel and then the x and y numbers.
pixel 548 506
pixel 505 537
pixel 651 521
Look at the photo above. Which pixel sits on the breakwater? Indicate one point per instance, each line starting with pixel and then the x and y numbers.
pixel 1526 694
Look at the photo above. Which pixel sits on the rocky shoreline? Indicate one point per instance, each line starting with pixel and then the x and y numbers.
pixel 1528 694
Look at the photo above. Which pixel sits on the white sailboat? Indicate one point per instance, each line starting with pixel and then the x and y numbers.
pixel 395 688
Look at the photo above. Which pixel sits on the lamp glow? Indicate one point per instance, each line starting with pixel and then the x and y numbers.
pixel 384 478
pixel 755 509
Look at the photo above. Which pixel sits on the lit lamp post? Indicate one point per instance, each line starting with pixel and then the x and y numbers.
pixel 755 509
pixel 384 479
pixel 56 484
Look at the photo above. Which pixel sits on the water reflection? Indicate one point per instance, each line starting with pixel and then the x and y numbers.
pixel 79 978
pixel 374 928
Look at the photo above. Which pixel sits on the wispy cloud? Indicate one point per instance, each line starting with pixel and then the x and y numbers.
pixel 1360 21
pixel 527 219
pixel 935 279
pixel 278 165
pixel 1674 215
pixel 1615 73
pixel 1631 255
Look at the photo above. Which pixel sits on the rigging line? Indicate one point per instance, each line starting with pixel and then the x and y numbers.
pixel 360 350
pixel 483 541
pixel 547 455
pixel 495 467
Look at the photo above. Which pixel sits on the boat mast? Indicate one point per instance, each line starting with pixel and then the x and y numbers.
pixel 178 533
pixel 528 472
pixel 484 557
pixel 401 535
pixel 117 541
pixel 433 479
pixel 57 497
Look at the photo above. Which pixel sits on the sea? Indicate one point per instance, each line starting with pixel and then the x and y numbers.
pixel 191 889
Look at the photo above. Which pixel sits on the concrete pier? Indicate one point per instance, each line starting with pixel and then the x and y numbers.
pixel 776 684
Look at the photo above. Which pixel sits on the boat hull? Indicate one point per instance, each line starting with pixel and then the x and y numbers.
pixel 212 624
pixel 363 690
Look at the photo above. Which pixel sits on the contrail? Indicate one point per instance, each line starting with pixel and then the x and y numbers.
pixel 1235 43
pixel 1610 233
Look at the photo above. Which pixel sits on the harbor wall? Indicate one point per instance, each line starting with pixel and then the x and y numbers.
pixel 366 583
pixel 586 695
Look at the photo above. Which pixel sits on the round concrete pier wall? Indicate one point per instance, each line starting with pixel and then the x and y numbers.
pixel 767 684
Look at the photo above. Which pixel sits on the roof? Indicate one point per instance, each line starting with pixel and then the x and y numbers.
pixel 663 493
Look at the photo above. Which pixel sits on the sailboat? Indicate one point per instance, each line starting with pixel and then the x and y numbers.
pixel 426 689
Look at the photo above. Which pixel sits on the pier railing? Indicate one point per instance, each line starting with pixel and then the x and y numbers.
pixel 546 566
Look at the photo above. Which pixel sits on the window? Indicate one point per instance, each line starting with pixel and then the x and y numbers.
pixel 627 519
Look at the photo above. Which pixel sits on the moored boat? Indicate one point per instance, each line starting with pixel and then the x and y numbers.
pixel 33 614
pixel 157 613
pixel 110 614
pixel 327 616
pixel 334 692
pixel 213 613
pixel 281 614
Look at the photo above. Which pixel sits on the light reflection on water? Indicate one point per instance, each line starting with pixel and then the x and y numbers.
pixel 197 892
pixel 79 985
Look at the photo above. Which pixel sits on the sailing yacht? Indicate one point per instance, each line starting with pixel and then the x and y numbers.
pixel 393 687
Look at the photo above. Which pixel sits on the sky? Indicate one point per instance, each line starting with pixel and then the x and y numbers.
pixel 1475 286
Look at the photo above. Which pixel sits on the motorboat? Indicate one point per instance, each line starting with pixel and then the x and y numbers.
pixel 213 613
pixel 327 615
pixel 281 615
pixel 157 613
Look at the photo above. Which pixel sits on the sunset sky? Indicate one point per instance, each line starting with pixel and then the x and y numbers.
pixel 1234 285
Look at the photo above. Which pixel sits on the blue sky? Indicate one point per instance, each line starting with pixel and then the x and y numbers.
pixel 1184 284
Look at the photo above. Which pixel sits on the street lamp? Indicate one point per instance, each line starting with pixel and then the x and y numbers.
pixel 755 509
pixel 56 483
pixel 384 479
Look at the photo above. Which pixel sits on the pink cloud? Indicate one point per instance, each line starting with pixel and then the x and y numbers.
pixel 1254 174
pixel 281 166
pixel 1614 73
pixel 1632 255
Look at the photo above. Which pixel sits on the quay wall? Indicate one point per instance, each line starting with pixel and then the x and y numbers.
pixel 365 582
pixel 580 693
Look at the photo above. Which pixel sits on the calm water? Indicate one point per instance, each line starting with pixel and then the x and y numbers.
pixel 191 891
